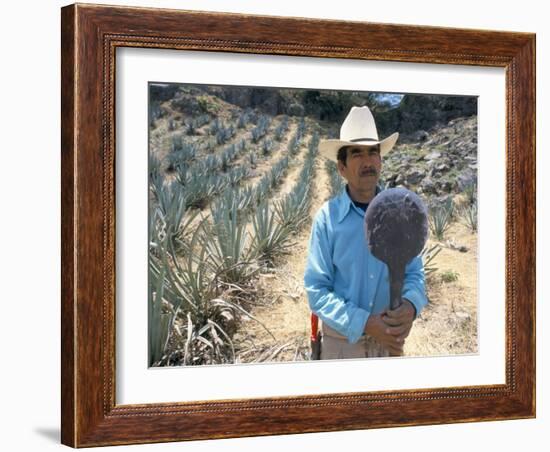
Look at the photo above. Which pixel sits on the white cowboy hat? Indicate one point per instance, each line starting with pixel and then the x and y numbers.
pixel 358 129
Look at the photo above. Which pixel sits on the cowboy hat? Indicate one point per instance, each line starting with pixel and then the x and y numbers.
pixel 358 129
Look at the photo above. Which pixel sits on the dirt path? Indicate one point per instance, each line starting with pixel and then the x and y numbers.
pixel 285 311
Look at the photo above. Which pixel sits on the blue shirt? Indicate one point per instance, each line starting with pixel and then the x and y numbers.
pixel 344 282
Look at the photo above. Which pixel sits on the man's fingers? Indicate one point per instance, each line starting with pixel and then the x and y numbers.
pixel 396 330
pixel 399 313
pixel 391 321
pixel 393 314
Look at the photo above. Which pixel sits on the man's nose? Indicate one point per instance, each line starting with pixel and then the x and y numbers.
pixel 367 161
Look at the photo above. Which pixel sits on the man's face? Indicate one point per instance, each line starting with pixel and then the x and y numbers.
pixel 362 168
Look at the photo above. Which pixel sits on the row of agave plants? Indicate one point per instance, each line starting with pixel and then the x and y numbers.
pixel 202 182
pixel 198 276
pixel 183 153
pixel 204 179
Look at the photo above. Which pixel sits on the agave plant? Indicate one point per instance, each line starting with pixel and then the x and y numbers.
pixel 242 121
pixel 233 200
pixel 240 147
pixel 201 120
pixel 450 207
pixel 428 255
pixel 468 215
pixel 227 243
pixel 224 162
pixel 193 324
pixel 230 152
pixel 174 220
pixel 314 144
pixel 191 127
pixel 281 129
pixel 293 145
pixel 301 127
pixel 182 156
pixel 171 205
pixel 214 127
pixel 270 237
pixel 236 175
pixel 267 146
pixel 337 183
pixel 224 134
pixel 201 188
pixel 252 159
pixel 470 190
pixel 156 182
pixel 252 116
pixel 439 221
pixel 210 145
pixel 154 166
pixel 262 189
pixel 155 112
pixel 176 142
pixel 292 211
pixel 257 133
pixel 210 164
pixel 275 175
pixel 160 317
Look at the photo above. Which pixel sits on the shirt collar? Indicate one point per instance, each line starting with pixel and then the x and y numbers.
pixel 345 203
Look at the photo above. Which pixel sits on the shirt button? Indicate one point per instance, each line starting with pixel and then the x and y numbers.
pixel 371 276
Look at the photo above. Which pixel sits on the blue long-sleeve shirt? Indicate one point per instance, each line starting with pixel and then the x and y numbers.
pixel 344 282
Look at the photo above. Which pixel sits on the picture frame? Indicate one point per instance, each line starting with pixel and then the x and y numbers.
pixel 90 36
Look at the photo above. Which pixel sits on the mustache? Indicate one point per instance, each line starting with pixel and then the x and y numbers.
pixel 369 171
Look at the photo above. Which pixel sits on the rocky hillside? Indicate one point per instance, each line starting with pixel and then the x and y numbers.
pixel 435 163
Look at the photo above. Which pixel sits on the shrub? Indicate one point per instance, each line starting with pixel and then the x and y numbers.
pixel 449 276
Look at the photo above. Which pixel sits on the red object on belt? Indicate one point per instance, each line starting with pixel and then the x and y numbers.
pixel 314 327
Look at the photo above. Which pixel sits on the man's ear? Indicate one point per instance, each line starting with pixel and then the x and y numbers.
pixel 341 167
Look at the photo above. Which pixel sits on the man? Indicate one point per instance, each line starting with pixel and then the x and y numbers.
pixel 347 287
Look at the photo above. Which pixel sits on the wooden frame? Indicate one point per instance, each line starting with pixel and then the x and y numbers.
pixel 90 35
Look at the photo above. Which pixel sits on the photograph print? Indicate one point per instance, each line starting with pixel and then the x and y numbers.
pixel 293 225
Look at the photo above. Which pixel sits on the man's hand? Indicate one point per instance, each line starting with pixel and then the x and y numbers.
pixel 392 327
pixel 377 328
pixel 400 320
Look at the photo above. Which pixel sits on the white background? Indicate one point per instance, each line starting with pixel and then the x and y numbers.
pixel 30 393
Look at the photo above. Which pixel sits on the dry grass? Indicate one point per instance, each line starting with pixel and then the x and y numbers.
pixel 448 325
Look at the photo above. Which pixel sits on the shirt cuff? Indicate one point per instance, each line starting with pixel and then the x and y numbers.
pixel 357 325
pixel 417 301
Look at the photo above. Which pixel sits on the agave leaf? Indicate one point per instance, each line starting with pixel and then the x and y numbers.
pixel 243 311
pixel 224 334
pixel 204 341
